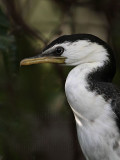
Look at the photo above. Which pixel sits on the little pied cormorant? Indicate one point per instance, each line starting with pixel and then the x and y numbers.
pixel 94 100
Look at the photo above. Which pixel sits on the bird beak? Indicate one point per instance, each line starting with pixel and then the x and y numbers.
pixel 42 59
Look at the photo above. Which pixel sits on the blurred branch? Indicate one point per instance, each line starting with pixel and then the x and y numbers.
pixel 84 3
pixel 65 5
pixel 18 22
pixel 112 9
pixel 111 14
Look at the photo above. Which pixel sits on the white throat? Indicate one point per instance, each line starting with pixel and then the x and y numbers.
pixel 86 105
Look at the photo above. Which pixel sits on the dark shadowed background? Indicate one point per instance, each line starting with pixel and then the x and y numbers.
pixel 36 122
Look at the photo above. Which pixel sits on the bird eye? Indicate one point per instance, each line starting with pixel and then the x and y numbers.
pixel 59 50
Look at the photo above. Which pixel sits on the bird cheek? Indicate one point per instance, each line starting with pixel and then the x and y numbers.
pixel 68 61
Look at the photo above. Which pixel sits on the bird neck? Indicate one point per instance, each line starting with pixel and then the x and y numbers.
pixel 83 100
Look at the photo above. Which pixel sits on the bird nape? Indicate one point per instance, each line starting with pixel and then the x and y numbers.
pixel 94 100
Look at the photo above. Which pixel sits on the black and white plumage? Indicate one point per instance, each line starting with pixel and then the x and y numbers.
pixel 95 101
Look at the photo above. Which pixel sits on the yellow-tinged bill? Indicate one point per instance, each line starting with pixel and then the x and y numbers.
pixel 36 60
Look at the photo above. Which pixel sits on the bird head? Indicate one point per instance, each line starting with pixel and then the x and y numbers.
pixel 73 50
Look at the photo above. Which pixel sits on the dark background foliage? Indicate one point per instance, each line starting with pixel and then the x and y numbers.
pixel 36 122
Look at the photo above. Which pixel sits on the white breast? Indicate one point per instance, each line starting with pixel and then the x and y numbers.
pixel 96 128
pixel 84 102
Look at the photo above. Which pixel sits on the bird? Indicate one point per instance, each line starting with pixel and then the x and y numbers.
pixel 93 98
